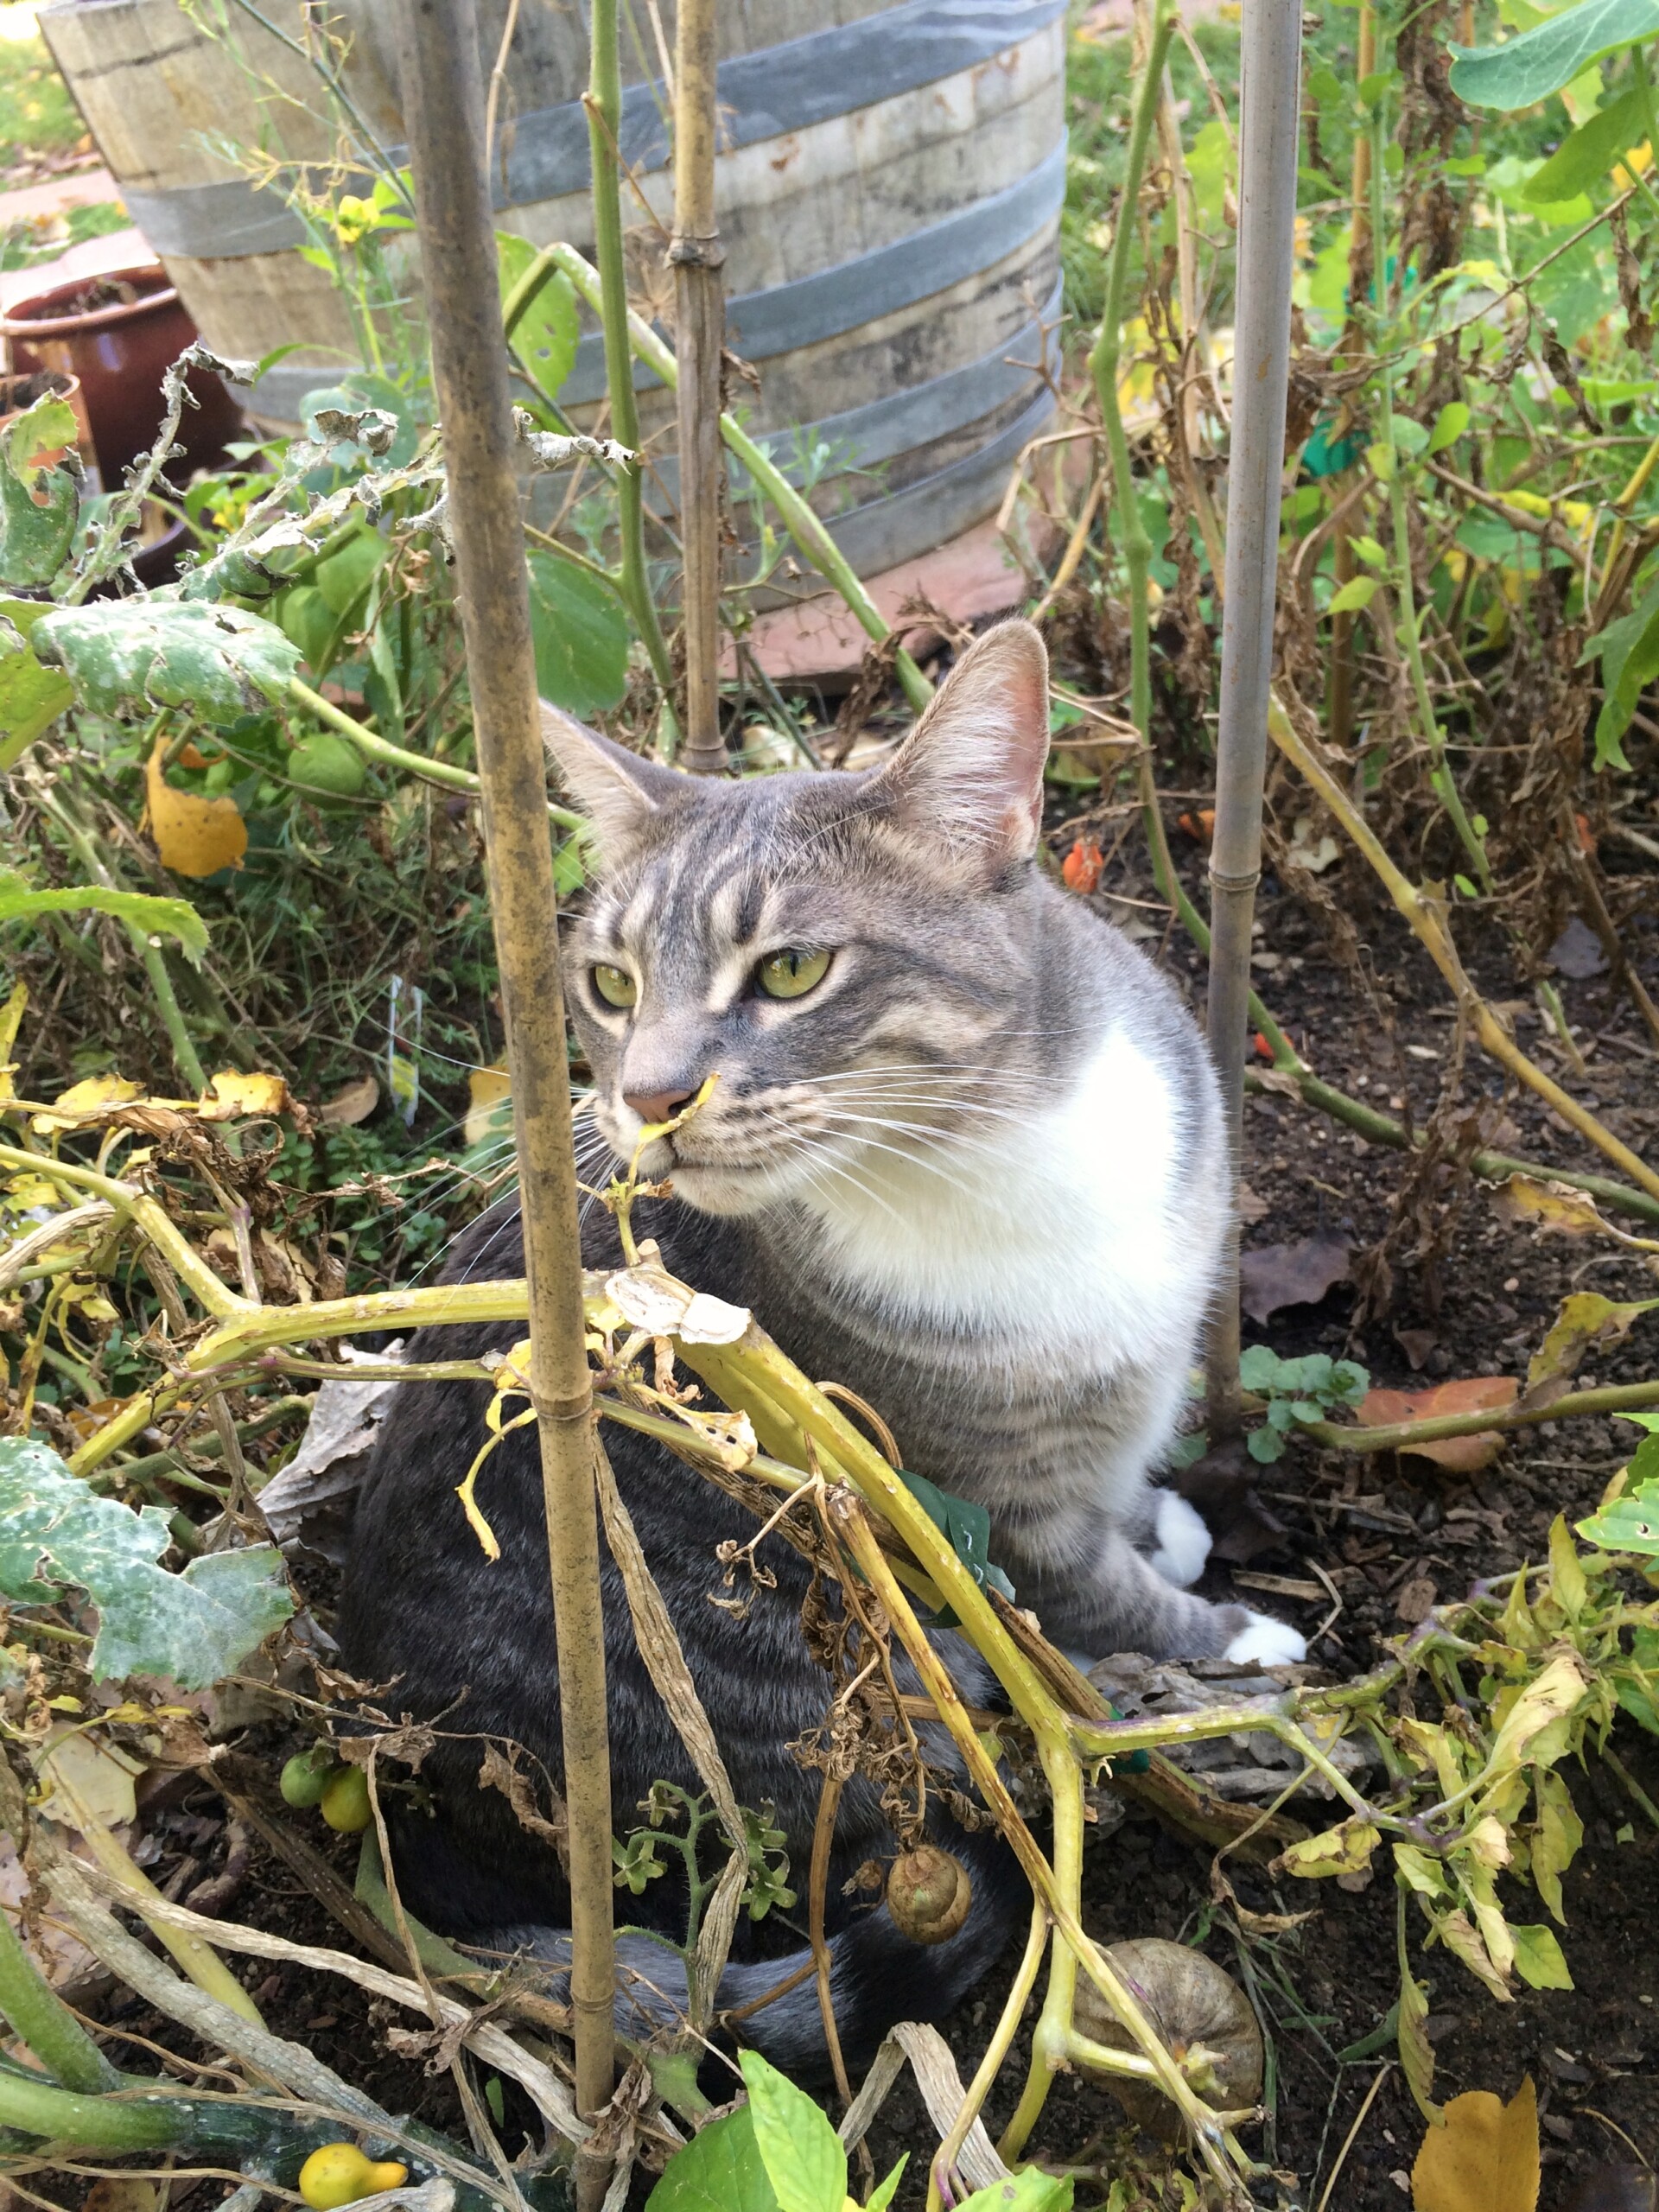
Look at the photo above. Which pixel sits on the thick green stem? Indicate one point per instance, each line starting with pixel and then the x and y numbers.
pixel 1410 625
pixel 1132 542
pixel 376 748
pixel 45 2022
pixel 93 2123
pixel 604 105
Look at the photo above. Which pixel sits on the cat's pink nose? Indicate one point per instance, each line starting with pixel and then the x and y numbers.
pixel 655 1105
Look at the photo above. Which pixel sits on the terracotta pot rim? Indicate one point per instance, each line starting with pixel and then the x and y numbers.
pixel 19 323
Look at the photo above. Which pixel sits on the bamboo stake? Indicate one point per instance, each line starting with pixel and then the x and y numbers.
pixel 1269 125
pixel 444 104
pixel 696 256
pixel 603 101
pixel 1343 569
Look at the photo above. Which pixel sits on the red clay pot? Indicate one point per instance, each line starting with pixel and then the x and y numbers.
pixel 119 333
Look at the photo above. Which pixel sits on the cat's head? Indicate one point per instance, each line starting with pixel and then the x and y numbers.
pixel 851 956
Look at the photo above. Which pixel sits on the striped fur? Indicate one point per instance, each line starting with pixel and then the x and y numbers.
pixel 976 1175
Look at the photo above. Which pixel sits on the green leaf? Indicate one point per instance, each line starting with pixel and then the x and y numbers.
pixel 720 2170
pixel 1585 158
pixel 344 575
pixel 1525 70
pixel 1358 592
pixel 56 1533
pixel 1449 426
pixel 1265 1446
pixel 1628 652
pixel 968 1529
pixel 1410 438
pixel 581 636
pixel 40 497
pixel 1030 2191
pixel 802 2153
pixel 173 918
pixel 1630 1523
pixel 545 337
pixel 1538 1959
pixel 126 658
pixel 1370 551
pixel 31 697
pixel 882 2196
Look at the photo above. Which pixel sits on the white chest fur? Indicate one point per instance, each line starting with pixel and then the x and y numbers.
pixel 1068 1228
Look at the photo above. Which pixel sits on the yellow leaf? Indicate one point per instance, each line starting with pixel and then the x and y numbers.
pixel 487 1091
pixel 1586 1321
pixel 100 1774
pixel 11 1015
pixel 1483 2158
pixel 230 1093
pixel 84 1099
pixel 1543 1706
pixel 1344 1850
pixel 193 836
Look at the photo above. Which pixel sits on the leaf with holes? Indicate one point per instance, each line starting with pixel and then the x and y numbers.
pixel 126 658
pixel 543 339
pixel 56 1534
pixel 40 496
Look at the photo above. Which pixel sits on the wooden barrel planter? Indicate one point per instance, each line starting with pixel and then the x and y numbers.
pixel 889 189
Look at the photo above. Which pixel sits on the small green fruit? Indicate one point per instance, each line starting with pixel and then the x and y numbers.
pixel 306 1775
pixel 346 1804
pixel 328 765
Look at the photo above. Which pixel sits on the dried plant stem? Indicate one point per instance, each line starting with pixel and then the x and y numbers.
pixel 603 101
pixel 697 256
pixel 203 1964
pixel 1427 918
pixel 823 1838
pixel 803 524
pixel 1104 364
pixel 443 108
pixel 1409 622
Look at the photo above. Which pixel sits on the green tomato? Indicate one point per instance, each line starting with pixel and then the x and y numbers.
pixel 328 765
pixel 306 1775
pixel 346 1804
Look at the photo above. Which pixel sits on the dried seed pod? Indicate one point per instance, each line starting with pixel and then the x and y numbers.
pixel 1201 2013
pixel 928 1894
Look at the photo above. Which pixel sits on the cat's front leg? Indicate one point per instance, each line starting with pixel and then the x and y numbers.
pixel 1115 1601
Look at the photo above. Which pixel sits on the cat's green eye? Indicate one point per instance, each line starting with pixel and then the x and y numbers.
pixel 791 973
pixel 614 985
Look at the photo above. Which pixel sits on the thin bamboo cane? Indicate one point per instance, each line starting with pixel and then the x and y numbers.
pixel 696 256
pixel 603 101
pixel 1359 261
pixel 1266 230
pixel 444 104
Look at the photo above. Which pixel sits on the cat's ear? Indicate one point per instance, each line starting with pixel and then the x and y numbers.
pixel 969 778
pixel 615 789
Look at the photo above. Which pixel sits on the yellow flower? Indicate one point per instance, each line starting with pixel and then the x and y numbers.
pixel 354 217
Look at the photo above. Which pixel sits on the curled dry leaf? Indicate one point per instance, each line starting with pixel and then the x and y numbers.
pixel 1463 1455
pixel 1557 1208
pixel 650 1298
pixel 1586 1321
pixel 1482 2158
pixel 194 835
pixel 1274 1275
pixel 351 1105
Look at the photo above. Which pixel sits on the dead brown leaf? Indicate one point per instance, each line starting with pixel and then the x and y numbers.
pixel 350 1106
pixel 500 1770
pixel 1464 1455
pixel 1275 1275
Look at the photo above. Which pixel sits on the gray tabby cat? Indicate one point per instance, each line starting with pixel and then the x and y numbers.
pixel 963 1156
pixel 967 1137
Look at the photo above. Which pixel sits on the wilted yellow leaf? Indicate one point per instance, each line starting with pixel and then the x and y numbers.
pixel 230 1093
pixel 101 1776
pixel 11 1015
pixel 86 1098
pixel 1586 1321
pixel 1344 1850
pixel 193 836
pixel 1483 2158
pixel 487 1091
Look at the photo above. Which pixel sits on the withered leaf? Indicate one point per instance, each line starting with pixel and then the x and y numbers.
pixel 1585 1320
pixel 500 1770
pixel 1483 2158
pixel 1577 953
pixel 1463 1455
pixel 1274 1275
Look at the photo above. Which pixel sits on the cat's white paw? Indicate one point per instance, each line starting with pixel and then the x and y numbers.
pixel 1268 1641
pixel 1182 1541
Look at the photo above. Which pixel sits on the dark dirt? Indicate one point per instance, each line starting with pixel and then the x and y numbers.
pixel 1478 1303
